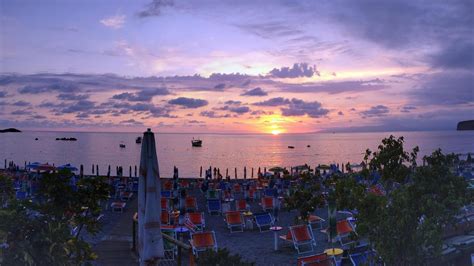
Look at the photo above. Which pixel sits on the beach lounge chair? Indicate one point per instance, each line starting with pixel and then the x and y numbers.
pixel 234 220
pixel 267 204
pixel 321 259
pixel 212 194
pixel 165 204
pixel 251 194
pixel 165 217
pixel 264 221
pixel 197 220
pixel 21 195
pixel 166 194
pixel 316 222
pixel 171 249
pixel 168 186
pixel 190 204
pixel 202 241
pixel 242 205
pixel 214 206
pixel 125 196
pixel 302 236
pixel 364 258
pixel 118 206
pixel 344 230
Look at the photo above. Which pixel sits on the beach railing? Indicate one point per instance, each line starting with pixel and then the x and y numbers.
pixel 179 244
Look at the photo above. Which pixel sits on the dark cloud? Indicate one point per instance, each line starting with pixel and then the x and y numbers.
pixel 298 70
pixel 155 8
pixel 407 109
pixel 188 102
pixel 213 114
pixel 38 117
pixel 144 95
pixel 375 111
pixel 3 94
pixel 299 107
pixel 82 105
pixel 72 97
pixel 458 54
pixel 334 87
pixel 220 86
pixel 21 112
pixel 58 87
pixel 255 92
pixel 21 103
pixel 340 113
pixel 82 115
pixel 233 102
pixel 445 88
pixel 131 122
pixel 236 109
pixel 278 101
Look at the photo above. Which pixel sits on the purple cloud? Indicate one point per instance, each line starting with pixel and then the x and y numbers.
pixel 255 92
pixel 299 107
pixel 278 101
pixel 298 70
pixel 188 102
pixel 72 97
pixel 144 95
pixel 375 111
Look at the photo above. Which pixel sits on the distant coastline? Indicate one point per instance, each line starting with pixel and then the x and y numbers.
pixel 10 130
pixel 466 125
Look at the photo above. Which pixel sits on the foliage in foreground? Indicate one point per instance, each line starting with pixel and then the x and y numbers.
pixel 406 225
pixel 221 257
pixel 40 232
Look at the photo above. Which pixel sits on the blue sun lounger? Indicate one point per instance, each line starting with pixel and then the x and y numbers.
pixel 264 221
pixel 214 206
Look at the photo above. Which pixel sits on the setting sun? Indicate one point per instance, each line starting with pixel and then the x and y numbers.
pixel 276 132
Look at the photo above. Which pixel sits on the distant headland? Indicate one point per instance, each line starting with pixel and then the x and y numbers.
pixel 466 125
pixel 10 130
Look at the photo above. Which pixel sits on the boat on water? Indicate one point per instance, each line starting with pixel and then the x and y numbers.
pixel 138 140
pixel 196 142
pixel 122 145
pixel 67 139
pixel 291 147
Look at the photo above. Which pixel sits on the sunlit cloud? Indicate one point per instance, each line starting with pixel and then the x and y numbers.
pixel 113 22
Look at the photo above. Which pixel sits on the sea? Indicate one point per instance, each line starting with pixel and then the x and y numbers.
pixel 224 151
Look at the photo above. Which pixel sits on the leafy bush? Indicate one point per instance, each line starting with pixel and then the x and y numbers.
pixel 221 258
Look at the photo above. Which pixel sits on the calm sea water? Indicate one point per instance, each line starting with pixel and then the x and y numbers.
pixel 222 151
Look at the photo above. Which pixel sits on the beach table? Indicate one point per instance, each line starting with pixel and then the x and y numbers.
pixel 180 230
pixel 336 253
pixel 275 230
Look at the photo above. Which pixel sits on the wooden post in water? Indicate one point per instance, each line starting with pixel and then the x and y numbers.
pixel 135 171
pixel 264 170
pixel 200 171
pixel 81 171
pixel 252 172
pixel 92 168
pixel 226 173
pixel 5 164
pixel 245 172
pixel 130 172
pixel 235 172
pixel 97 169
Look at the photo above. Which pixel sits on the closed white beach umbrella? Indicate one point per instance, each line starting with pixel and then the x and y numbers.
pixel 150 241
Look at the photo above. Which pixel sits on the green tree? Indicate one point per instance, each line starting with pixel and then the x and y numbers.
pixel 40 232
pixel 406 225
pixel 221 257
pixel 307 197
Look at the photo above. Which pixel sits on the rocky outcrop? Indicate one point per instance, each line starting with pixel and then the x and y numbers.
pixel 466 125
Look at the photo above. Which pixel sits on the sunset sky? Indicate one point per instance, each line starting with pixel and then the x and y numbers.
pixel 236 66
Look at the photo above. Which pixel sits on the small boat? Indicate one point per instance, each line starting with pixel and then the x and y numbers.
pixel 138 140
pixel 67 139
pixel 36 138
pixel 291 147
pixel 308 146
pixel 196 142
pixel 122 145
